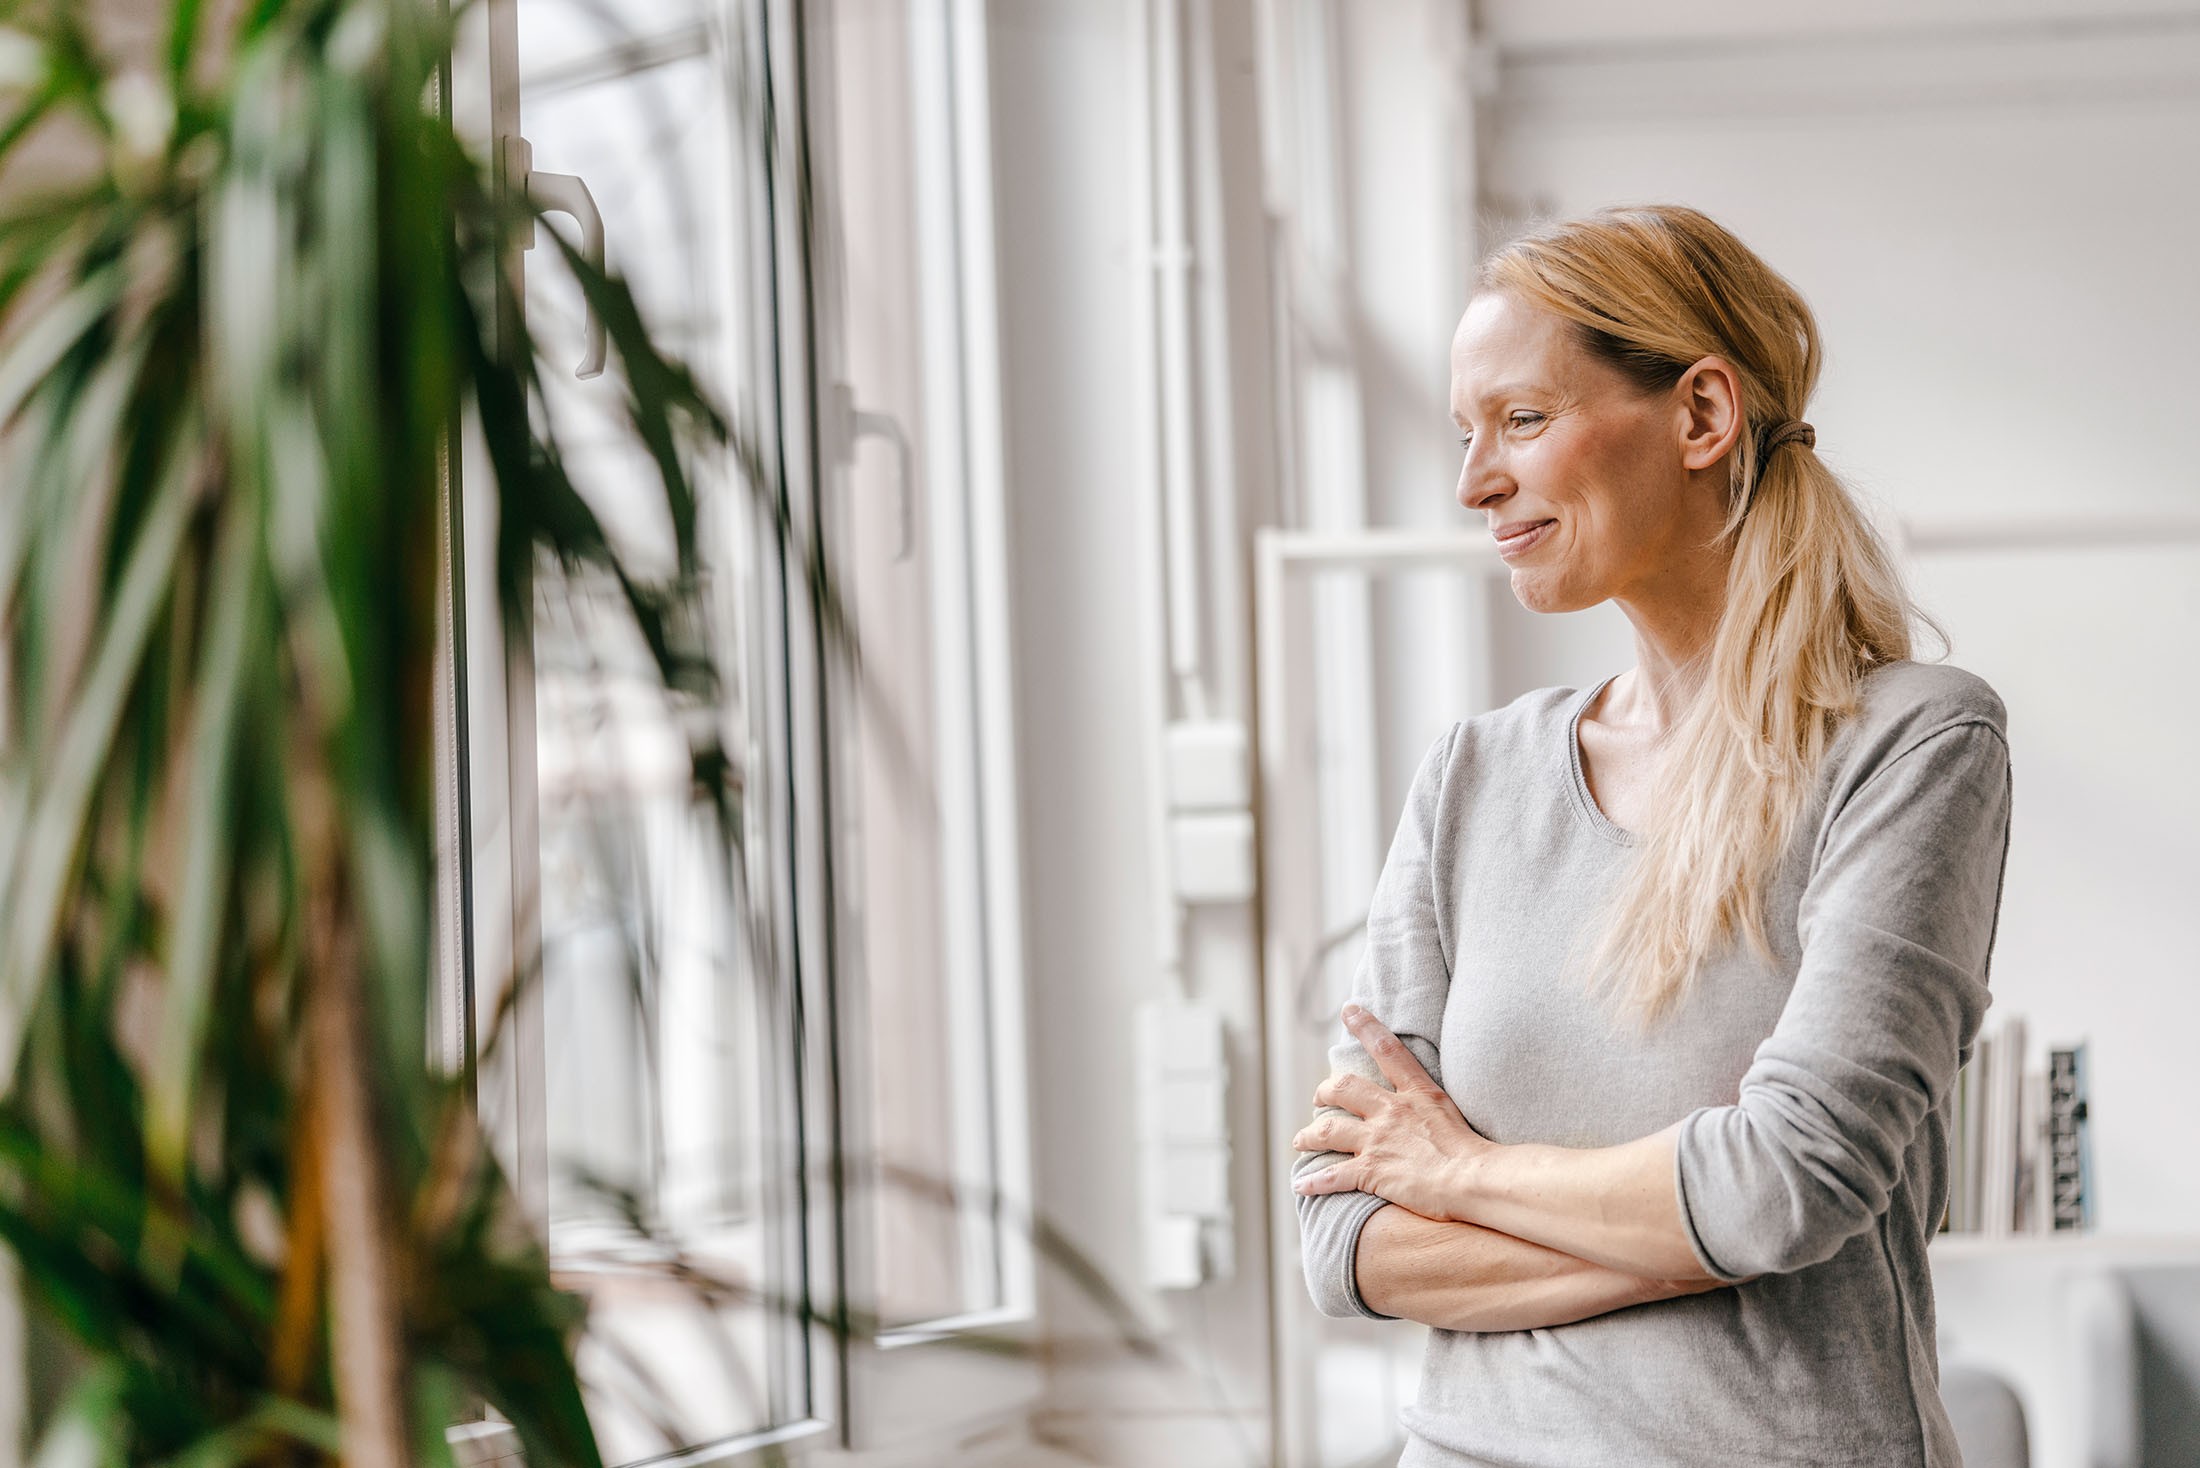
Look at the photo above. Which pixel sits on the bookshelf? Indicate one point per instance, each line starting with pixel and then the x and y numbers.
pixel 2100 966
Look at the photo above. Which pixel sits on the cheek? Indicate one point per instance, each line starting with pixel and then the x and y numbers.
pixel 1559 479
pixel 1597 478
pixel 1559 463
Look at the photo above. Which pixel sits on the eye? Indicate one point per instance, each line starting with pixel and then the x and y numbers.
pixel 1526 419
pixel 1466 440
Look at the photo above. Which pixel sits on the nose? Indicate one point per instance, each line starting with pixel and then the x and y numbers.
pixel 1481 484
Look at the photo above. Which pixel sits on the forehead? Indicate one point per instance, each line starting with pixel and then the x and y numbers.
pixel 1502 343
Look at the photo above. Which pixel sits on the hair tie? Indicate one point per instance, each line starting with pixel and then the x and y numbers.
pixel 1795 430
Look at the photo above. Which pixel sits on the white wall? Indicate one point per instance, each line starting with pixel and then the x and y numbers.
pixel 1370 228
pixel 1994 226
pixel 1990 207
pixel 1065 131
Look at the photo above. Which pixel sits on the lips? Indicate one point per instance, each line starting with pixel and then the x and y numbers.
pixel 1510 533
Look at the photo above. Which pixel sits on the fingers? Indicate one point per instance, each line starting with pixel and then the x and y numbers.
pixel 1354 1093
pixel 1337 1179
pixel 1328 1134
pixel 1387 1051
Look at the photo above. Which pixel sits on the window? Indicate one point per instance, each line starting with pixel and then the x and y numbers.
pixel 922 757
pixel 649 1089
pixel 927 922
pixel 797 1060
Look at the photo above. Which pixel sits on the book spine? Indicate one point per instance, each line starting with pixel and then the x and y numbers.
pixel 2043 1200
pixel 2035 1180
pixel 1976 1132
pixel 2088 1194
pixel 1955 1222
pixel 1991 1214
pixel 2008 1094
pixel 2069 1202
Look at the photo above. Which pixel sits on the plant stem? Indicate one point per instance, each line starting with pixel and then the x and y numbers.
pixel 365 1249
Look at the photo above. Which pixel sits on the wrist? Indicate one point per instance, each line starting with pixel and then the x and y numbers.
pixel 1468 1185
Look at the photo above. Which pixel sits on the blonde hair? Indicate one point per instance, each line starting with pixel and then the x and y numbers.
pixel 1813 598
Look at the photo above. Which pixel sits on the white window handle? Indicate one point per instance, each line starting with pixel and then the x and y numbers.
pixel 564 193
pixel 858 423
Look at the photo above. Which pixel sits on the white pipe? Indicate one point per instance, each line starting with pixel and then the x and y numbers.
pixel 1152 558
pixel 1293 1326
pixel 1224 562
pixel 1172 264
pixel 1277 180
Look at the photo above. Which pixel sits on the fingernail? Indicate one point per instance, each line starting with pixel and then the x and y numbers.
pixel 1352 1012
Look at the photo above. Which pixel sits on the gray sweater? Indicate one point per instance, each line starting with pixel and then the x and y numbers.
pixel 1815 1094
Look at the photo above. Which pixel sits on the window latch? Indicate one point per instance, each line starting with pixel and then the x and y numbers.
pixel 564 193
pixel 859 423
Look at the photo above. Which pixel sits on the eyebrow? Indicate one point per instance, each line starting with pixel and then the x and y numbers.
pixel 1502 390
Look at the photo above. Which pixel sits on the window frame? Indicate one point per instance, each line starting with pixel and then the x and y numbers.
pixel 905 1388
pixel 486 726
pixel 917 1384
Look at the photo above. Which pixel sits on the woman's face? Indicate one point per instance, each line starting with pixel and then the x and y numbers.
pixel 1554 434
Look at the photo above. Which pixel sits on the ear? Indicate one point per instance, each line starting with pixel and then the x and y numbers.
pixel 1709 395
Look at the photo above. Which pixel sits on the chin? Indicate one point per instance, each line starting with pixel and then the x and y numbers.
pixel 1542 593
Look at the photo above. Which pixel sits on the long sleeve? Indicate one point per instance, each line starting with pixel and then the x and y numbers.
pixel 1897 926
pixel 1403 977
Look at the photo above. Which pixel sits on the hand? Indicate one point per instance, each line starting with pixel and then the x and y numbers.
pixel 1409 1144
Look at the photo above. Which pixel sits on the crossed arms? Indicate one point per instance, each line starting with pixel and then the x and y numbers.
pixel 1399 1198
pixel 1462 1276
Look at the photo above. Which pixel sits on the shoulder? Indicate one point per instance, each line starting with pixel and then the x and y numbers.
pixel 1901 703
pixel 1525 720
pixel 1495 736
pixel 1500 753
pixel 1907 707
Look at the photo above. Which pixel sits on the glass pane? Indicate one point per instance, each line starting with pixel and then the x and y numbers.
pixel 661 1078
pixel 561 40
pixel 668 1067
pixel 657 151
pixel 907 758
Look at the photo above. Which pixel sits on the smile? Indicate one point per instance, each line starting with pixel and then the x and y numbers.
pixel 1514 545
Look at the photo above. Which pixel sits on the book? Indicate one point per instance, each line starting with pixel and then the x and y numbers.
pixel 2071 1191
pixel 2035 1180
pixel 1999 1205
pixel 2017 1164
pixel 1954 1220
pixel 1974 1136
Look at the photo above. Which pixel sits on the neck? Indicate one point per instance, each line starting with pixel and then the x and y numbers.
pixel 1674 627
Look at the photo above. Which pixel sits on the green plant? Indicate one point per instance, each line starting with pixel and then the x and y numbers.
pixel 233 350
pixel 237 347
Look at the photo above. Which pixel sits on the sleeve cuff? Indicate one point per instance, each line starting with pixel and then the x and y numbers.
pixel 1683 1148
pixel 1350 1253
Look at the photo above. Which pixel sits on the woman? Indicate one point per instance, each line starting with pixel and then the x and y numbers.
pixel 1645 1100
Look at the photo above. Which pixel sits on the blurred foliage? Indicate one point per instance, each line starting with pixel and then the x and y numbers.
pixel 236 347
pixel 233 351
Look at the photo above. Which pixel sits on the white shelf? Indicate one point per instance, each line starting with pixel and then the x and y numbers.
pixel 2067 1245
